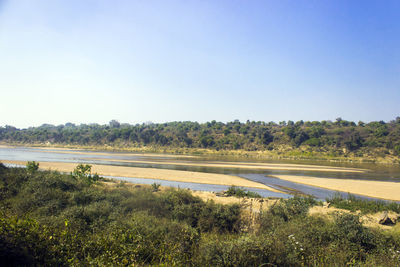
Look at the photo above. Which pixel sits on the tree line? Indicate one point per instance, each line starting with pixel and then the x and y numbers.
pixel 339 136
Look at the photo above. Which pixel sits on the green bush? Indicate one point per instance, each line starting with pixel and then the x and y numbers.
pixel 287 209
pixel 239 192
pixel 52 219
pixel 32 166
pixel 83 172
pixel 365 206
pixel 23 242
pixel 156 187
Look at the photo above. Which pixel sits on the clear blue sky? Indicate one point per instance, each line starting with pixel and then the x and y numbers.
pixel 134 61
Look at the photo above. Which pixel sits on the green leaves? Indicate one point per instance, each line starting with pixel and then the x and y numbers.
pixel 83 172
pixel 32 166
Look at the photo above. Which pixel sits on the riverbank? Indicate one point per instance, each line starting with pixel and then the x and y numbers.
pixel 153 173
pixel 283 153
pixel 376 189
pixel 168 159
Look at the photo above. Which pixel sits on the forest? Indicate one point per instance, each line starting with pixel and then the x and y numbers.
pixel 53 219
pixel 339 138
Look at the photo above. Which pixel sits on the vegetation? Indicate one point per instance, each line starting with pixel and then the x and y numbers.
pixel 83 172
pixel 53 219
pixel 325 139
pixel 32 166
pixel 365 206
pixel 239 192
pixel 156 187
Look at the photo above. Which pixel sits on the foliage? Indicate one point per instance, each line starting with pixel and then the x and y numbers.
pixel 53 219
pixel 365 206
pixel 327 138
pixel 32 166
pixel 84 172
pixel 289 208
pixel 155 186
pixel 239 192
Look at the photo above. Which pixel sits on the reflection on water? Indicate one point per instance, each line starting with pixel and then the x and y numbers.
pixel 375 171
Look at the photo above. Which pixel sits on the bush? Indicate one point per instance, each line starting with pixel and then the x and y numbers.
pixel 155 187
pixel 287 209
pixel 83 172
pixel 365 206
pixel 32 166
pixel 217 250
pixel 24 243
pixel 239 192
pixel 74 223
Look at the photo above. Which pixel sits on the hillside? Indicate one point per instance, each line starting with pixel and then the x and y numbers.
pixel 340 140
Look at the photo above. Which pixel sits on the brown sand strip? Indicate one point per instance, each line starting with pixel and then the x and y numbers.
pixel 376 189
pixel 153 173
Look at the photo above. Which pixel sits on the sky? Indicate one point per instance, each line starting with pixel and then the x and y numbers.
pixel 91 61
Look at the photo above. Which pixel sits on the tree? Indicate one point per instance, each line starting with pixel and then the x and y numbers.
pixel 267 137
pixel 114 124
pixel 83 172
pixel 300 137
pixel 32 166
pixel 206 141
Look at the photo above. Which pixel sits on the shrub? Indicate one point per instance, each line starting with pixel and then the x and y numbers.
pixel 222 218
pixel 74 223
pixel 32 166
pixel 366 206
pixel 24 243
pixel 155 187
pixel 83 172
pixel 287 209
pixel 239 192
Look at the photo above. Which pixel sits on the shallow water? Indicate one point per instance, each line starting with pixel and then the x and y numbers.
pixel 375 171
pixel 198 187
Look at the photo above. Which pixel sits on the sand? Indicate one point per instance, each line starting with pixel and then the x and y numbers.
pixel 243 165
pixel 376 189
pixel 153 173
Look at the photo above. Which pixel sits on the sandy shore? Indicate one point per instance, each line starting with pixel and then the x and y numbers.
pixel 376 189
pixel 243 165
pixel 153 173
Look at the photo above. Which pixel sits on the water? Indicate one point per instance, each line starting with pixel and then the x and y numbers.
pixel 198 187
pixel 317 192
pixel 375 171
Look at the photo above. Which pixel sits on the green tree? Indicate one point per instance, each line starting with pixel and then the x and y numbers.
pixel 83 172
pixel 32 166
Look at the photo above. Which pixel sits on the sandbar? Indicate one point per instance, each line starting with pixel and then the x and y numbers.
pixel 244 165
pixel 376 189
pixel 153 173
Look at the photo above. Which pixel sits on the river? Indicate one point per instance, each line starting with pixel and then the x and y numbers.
pixel 374 171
